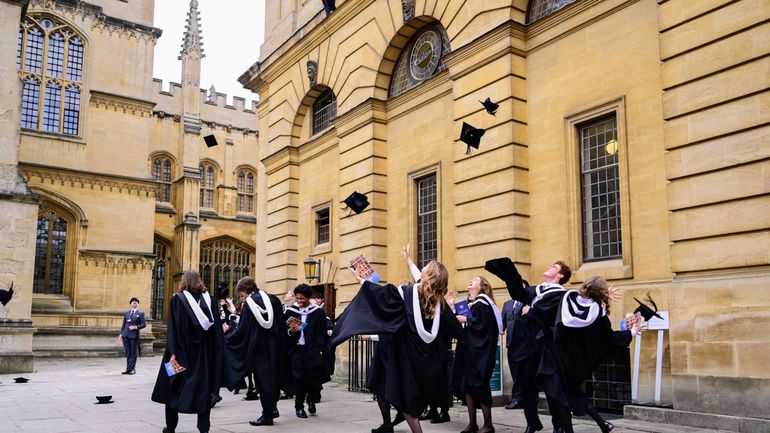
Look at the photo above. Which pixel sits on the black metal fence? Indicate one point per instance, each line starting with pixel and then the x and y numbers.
pixel 611 384
pixel 360 353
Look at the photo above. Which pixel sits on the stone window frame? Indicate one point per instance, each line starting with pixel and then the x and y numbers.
pixel 613 269
pixel 207 198
pixel 321 247
pixel 167 186
pixel 413 178
pixel 244 196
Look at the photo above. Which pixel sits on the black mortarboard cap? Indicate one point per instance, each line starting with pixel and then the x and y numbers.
pixel 329 6
pixel 6 295
pixel 210 140
pixel 357 202
pixel 645 310
pixel 490 106
pixel 20 379
pixel 504 269
pixel 471 136
pixel 104 399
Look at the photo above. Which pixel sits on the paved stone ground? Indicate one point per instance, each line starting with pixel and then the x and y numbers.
pixel 60 397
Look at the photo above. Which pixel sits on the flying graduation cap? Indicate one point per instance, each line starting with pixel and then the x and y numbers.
pixel 6 295
pixel 490 106
pixel 645 310
pixel 471 137
pixel 356 202
pixel 20 379
pixel 210 140
pixel 104 399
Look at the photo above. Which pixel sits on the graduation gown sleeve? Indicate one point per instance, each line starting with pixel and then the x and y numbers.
pixel 374 310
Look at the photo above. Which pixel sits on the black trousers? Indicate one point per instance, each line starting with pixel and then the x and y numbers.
pixel 529 396
pixel 514 368
pixel 131 345
pixel 204 419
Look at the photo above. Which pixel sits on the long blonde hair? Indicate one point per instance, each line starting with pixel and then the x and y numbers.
pixel 191 281
pixel 434 287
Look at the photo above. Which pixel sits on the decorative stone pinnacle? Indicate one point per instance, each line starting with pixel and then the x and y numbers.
pixel 193 38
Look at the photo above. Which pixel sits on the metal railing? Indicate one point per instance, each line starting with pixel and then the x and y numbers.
pixel 611 384
pixel 360 353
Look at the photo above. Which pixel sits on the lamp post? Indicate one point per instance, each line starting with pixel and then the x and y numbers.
pixel 312 269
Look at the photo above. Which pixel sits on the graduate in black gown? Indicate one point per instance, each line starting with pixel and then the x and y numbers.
pixel 306 346
pixel 583 338
pixel 475 354
pixel 408 314
pixel 258 346
pixel 194 341
pixel 540 366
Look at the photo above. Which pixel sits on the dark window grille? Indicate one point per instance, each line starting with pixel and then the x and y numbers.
pixel 30 108
pixel 542 8
pixel 50 252
pixel 600 185
pixel 71 110
pixel 33 54
pixel 427 220
pixel 159 278
pixel 610 386
pixel 19 46
pixel 324 111
pixel 55 55
pixel 245 192
pixel 322 224
pixel 52 108
pixel 207 186
pixel 75 60
pixel 360 354
pixel 161 172
pixel 223 261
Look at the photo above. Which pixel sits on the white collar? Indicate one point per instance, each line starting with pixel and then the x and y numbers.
pixel 484 299
pixel 579 312
pixel 259 312
pixel 426 336
pixel 546 289
pixel 198 311
pixel 300 310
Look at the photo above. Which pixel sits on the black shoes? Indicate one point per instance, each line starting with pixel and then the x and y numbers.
pixel 214 400
pixel 275 413
pixel 311 408
pixel 470 429
pixel 513 405
pixel 440 418
pixel 301 413
pixel 606 427
pixel 129 372
pixel 261 421
pixel 531 429
pixel 385 428
pixel 428 414
pixel 251 396
pixel 397 420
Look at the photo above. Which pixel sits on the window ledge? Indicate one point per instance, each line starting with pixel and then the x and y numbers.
pixel 609 269
pixel 53 135
pixel 164 207
pixel 323 248
pixel 245 217
pixel 208 213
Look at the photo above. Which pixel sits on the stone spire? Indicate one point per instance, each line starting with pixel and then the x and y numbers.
pixel 192 44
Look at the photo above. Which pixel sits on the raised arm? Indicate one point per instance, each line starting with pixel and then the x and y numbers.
pixel 413 269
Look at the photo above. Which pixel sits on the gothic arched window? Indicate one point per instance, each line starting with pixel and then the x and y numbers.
pixel 245 191
pixel 161 172
pixel 49 57
pixel 50 252
pixel 324 111
pixel 223 263
pixel 160 277
pixel 542 8
pixel 421 59
pixel 208 177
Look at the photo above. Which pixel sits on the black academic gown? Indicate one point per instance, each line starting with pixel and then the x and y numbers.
pixel 475 355
pixel 199 351
pixel 412 368
pixel 252 348
pixel 307 362
pixel 579 351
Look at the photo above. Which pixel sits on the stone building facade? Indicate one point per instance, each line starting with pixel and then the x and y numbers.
pixel 631 141
pixel 127 194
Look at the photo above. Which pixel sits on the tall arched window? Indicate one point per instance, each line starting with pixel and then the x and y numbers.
pixel 422 58
pixel 49 57
pixel 223 263
pixel 159 277
pixel 208 177
pixel 50 251
pixel 324 111
pixel 542 8
pixel 161 172
pixel 245 191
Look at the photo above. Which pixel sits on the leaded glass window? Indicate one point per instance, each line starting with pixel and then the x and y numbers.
pixel 222 263
pixel 161 172
pixel 427 220
pixel 207 186
pixel 159 277
pixel 600 185
pixel 422 58
pixel 49 57
pixel 245 191
pixel 324 111
pixel 542 8
pixel 322 226
pixel 50 252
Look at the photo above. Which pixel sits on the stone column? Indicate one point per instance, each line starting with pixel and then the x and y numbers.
pixel 18 207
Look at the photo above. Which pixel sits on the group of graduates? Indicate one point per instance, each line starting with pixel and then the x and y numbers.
pixel 281 347
pixel 562 337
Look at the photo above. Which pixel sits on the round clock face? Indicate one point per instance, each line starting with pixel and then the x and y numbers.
pixel 425 55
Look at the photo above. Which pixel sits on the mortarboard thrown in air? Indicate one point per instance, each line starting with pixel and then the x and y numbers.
pixel 647 312
pixel 104 399
pixel 504 269
pixel 20 379
pixel 471 137
pixel 6 295
pixel 357 202
pixel 490 106
pixel 210 140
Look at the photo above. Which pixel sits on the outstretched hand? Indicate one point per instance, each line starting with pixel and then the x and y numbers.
pixel 405 252
pixel 451 297
pixel 615 295
pixel 355 273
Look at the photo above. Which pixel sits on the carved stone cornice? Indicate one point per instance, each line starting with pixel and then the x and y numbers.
pixel 124 104
pixel 79 10
pixel 117 259
pixel 280 159
pixel 86 179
